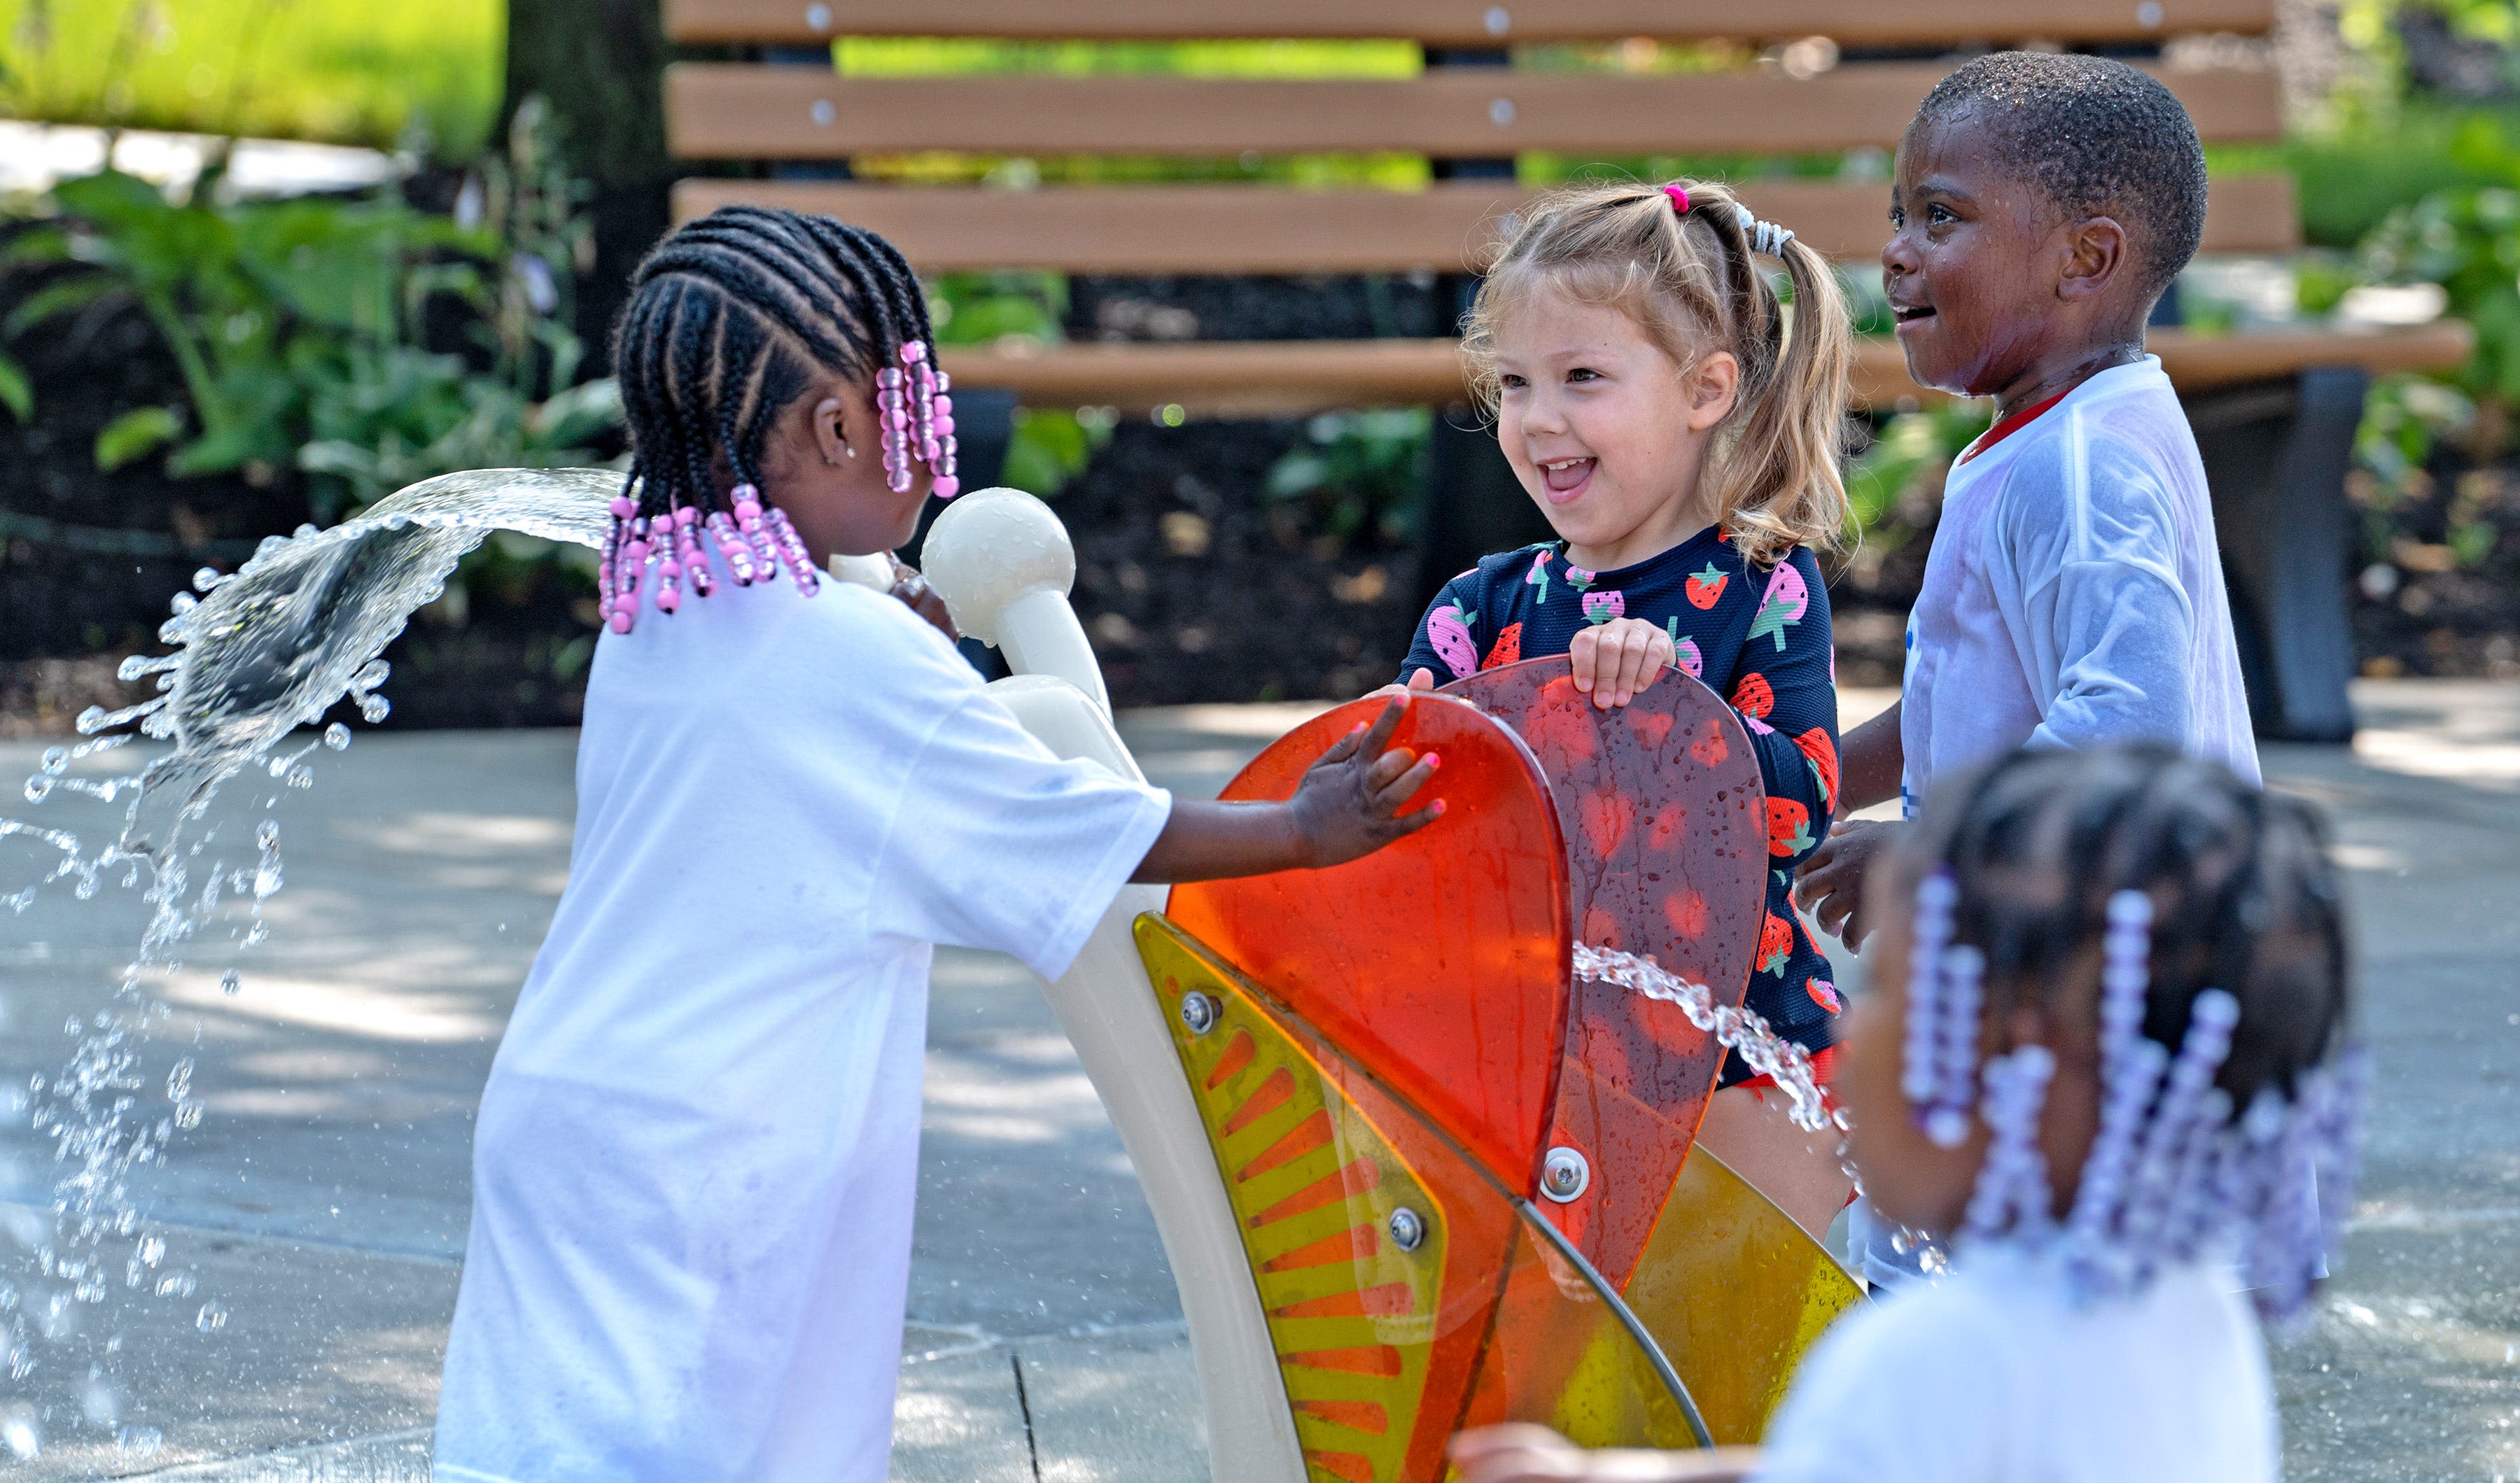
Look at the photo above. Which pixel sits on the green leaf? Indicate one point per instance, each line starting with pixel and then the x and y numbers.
pixel 14 390
pixel 134 433
pixel 52 301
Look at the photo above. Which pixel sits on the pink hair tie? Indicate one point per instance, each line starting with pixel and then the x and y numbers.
pixel 1679 194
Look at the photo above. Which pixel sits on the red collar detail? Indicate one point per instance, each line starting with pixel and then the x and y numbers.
pixel 2011 424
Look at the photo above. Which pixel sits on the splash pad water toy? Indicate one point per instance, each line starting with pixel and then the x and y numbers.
pixel 1416 1132
pixel 1427 1158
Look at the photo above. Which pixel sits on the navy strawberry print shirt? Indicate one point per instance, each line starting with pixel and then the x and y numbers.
pixel 1759 638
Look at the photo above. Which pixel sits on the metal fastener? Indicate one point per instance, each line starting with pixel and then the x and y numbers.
pixel 818 17
pixel 1499 21
pixel 1408 1228
pixel 1564 1175
pixel 1500 111
pixel 1198 1012
pixel 823 113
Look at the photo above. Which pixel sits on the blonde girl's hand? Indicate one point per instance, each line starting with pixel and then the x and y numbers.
pixel 1521 1452
pixel 1612 661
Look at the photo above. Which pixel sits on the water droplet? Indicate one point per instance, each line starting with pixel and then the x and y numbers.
pixel 57 761
pixel 374 709
pixel 189 1115
pixel 213 1316
pixel 139 1441
pixel 38 789
pixel 152 1249
pixel 19 1433
pixel 253 938
pixel 176 1284
pixel 179 1080
pixel 183 603
pixel 228 983
pixel 90 720
pixel 302 777
pixel 337 737
pixel 206 578
pixel 266 834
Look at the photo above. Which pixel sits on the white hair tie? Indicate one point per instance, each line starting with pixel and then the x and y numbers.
pixel 1766 238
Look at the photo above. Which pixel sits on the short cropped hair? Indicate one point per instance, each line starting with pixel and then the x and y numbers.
pixel 2096 137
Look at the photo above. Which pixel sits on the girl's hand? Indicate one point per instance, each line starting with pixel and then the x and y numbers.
pixel 1349 801
pixel 1521 1453
pixel 1612 661
pixel 1831 883
pixel 912 588
pixel 1421 683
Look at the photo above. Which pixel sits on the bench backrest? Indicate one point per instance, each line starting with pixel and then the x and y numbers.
pixel 1471 105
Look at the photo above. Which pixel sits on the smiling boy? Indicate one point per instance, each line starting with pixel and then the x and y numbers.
pixel 2074 595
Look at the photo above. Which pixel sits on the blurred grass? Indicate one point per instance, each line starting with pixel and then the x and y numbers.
pixel 335 71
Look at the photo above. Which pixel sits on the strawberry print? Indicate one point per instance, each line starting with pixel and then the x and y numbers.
pixel 1538 575
pixel 1600 607
pixel 1684 651
pixel 1508 650
pixel 1754 696
pixel 1788 828
pixel 1706 588
pixel 1824 993
pixel 1448 628
pixel 1776 944
pixel 1823 753
pixel 1787 598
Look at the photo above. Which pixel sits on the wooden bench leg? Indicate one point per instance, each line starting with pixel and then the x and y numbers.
pixel 2275 456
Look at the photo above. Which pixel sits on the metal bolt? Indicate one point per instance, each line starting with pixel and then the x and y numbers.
pixel 1408 1228
pixel 1198 1012
pixel 1564 1175
pixel 1500 111
pixel 2148 15
pixel 823 113
pixel 818 17
pixel 1499 21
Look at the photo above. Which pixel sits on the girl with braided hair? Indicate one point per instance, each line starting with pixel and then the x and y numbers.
pixel 695 1161
pixel 2107 1056
pixel 1682 439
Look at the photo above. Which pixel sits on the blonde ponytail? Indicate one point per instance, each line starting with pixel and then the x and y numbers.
pixel 1687 279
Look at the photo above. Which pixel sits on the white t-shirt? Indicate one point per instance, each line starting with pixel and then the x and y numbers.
pixel 697 1157
pixel 2074 595
pixel 1994 1375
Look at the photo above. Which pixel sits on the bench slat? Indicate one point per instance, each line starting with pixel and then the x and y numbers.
pixel 1296 376
pixel 1265 229
pixel 1459 23
pixel 725 111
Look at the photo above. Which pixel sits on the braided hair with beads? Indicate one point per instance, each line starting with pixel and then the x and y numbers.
pixel 730 319
pixel 2230 1097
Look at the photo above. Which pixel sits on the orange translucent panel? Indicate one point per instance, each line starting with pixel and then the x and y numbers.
pixel 1439 963
pixel 1387 1347
pixel 1664 819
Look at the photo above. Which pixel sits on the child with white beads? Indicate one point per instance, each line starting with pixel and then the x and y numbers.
pixel 2106 1057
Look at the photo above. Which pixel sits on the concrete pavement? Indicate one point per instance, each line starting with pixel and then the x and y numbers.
pixel 322 1201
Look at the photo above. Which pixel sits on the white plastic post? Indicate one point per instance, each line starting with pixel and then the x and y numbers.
pixel 1003 565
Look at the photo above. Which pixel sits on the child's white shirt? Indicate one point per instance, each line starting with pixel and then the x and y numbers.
pixel 696 1162
pixel 2074 595
pixel 1994 1375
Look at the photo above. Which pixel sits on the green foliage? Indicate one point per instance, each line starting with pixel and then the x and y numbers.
pixel 369 75
pixel 15 393
pixel 1050 447
pixel 983 308
pixel 2467 239
pixel 1909 447
pixel 299 325
pixel 1361 470
pixel 2403 419
pixel 135 434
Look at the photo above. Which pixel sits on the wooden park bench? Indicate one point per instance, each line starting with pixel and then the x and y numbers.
pixel 2274 411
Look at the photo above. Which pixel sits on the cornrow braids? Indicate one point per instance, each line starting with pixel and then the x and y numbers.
pixel 1680 261
pixel 2231 1099
pixel 730 319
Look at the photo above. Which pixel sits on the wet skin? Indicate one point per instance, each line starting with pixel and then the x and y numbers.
pixel 1997 291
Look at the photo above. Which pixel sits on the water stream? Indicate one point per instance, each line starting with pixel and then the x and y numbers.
pixel 255 655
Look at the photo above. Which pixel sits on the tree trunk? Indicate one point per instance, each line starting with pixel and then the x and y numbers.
pixel 600 64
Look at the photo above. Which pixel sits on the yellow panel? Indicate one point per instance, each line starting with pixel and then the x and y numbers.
pixel 1314 1185
pixel 1736 1292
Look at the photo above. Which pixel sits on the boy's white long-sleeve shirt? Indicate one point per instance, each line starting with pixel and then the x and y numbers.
pixel 2075 594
